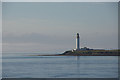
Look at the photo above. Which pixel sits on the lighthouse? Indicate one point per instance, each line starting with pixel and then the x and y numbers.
pixel 77 42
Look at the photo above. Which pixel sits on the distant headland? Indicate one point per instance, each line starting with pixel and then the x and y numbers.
pixel 86 51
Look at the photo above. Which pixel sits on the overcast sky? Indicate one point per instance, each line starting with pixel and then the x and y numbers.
pixel 52 27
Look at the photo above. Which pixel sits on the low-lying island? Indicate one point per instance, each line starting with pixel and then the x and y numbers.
pixel 87 53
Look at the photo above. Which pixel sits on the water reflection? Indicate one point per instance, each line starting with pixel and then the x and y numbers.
pixel 78 64
pixel 77 57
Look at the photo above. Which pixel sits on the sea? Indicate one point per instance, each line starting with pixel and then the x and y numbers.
pixel 27 65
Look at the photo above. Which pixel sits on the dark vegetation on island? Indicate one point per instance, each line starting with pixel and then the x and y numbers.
pixel 90 52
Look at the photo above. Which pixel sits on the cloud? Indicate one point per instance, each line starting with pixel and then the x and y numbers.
pixel 35 38
pixel 53 43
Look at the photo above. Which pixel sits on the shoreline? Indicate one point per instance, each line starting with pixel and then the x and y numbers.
pixel 86 53
pixel 72 55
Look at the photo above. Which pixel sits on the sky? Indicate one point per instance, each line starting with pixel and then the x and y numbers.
pixel 51 27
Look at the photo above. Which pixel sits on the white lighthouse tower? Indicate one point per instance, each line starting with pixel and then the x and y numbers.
pixel 77 42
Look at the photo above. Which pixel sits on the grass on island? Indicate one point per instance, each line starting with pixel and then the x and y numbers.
pixel 92 52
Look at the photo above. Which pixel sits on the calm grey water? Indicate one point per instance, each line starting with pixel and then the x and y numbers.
pixel 24 66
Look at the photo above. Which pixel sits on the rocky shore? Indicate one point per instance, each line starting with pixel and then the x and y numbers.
pixel 87 53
